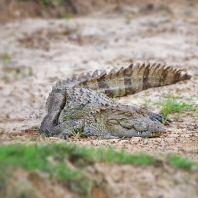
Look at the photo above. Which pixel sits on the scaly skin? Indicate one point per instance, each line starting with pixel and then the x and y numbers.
pixel 79 105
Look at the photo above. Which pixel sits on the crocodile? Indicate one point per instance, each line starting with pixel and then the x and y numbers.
pixel 85 103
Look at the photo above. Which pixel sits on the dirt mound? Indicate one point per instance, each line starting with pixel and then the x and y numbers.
pixel 109 181
pixel 65 170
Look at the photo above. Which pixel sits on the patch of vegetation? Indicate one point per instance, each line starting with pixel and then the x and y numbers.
pixel 170 104
pixel 44 2
pixel 147 102
pixel 5 56
pixel 48 2
pixel 28 156
pixel 48 158
pixel 16 72
pixel 110 156
pixel 179 162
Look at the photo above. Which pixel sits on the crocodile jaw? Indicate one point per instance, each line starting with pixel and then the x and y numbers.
pixel 133 123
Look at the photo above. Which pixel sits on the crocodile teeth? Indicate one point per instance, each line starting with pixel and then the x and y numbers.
pixel 156 134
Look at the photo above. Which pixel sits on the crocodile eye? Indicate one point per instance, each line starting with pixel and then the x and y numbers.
pixel 126 123
pixel 112 122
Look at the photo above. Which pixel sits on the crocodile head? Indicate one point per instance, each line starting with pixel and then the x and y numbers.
pixel 131 123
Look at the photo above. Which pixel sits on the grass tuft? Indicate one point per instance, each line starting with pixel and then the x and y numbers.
pixel 170 104
pixel 5 56
pixel 179 162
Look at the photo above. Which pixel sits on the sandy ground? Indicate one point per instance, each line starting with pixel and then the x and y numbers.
pixel 35 53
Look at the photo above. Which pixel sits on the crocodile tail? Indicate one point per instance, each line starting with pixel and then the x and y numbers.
pixel 130 80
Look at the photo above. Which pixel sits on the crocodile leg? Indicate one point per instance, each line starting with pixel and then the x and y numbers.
pixel 55 104
pixel 67 128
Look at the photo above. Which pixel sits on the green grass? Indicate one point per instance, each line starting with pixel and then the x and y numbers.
pixel 44 3
pixel 34 157
pixel 48 2
pixel 147 102
pixel 170 104
pixel 29 156
pixel 5 56
pixel 176 161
